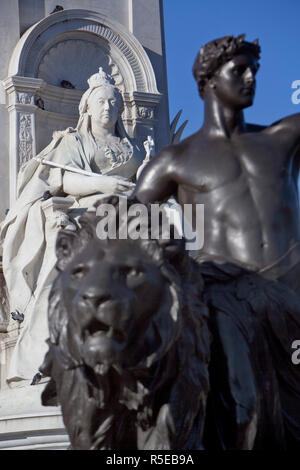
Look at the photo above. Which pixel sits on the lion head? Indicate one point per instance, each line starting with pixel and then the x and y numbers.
pixel 128 347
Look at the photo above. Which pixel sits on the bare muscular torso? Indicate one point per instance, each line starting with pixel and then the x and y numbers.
pixel 247 183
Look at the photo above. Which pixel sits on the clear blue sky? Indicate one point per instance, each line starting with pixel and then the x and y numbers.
pixel 191 23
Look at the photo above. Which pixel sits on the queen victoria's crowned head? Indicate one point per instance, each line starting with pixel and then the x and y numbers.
pixel 102 103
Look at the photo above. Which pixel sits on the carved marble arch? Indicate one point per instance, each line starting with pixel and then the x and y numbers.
pixel 69 46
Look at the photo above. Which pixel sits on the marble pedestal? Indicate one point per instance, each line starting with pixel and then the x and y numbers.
pixel 25 424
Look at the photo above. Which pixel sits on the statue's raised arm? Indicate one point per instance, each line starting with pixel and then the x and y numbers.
pixel 288 130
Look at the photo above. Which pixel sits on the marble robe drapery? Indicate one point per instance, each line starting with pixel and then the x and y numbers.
pixel 28 267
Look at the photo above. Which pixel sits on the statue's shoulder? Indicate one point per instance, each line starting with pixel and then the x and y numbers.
pixel 61 141
pixel 69 134
pixel 171 154
pixel 256 127
pixel 290 125
pixel 186 145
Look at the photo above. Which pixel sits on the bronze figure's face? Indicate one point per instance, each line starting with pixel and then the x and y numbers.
pixel 234 83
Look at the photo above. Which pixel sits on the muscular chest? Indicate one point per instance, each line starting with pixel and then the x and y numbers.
pixel 255 160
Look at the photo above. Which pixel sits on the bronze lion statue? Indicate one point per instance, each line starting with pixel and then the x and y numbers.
pixel 129 342
pixel 149 349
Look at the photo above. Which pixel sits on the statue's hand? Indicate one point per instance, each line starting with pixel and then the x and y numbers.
pixel 149 146
pixel 114 184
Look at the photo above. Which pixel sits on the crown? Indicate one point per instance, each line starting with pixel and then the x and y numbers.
pixel 100 79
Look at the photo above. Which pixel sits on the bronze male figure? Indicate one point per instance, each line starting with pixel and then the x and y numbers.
pixel 244 174
pixel 246 177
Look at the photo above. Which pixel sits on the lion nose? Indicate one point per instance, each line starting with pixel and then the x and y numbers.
pixel 96 296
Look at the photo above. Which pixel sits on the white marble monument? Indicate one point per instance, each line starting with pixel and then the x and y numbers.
pixel 44 80
pixel 76 168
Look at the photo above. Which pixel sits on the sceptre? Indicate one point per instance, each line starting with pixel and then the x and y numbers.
pixel 65 167
pixel 148 144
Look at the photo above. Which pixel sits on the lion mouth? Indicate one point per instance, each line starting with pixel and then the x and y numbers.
pixel 98 328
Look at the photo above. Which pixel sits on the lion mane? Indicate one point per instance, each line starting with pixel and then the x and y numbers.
pixel 138 377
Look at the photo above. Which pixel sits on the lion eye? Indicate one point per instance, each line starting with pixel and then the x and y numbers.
pixel 79 272
pixel 131 272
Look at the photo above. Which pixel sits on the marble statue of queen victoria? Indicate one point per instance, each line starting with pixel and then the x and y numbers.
pixel 98 144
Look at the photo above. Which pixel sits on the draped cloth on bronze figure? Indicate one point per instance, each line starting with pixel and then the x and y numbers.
pixel 255 387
